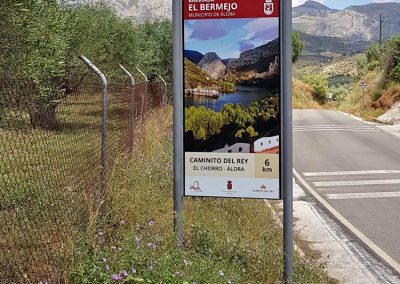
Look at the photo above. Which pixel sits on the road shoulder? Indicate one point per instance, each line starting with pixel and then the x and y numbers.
pixel 346 259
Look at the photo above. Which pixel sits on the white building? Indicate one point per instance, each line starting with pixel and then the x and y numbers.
pixel 266 143
pixel 235 148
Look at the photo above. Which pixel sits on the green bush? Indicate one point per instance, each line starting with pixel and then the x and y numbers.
pixel 376 95
pixel 339 80
pixel 319 84
pixel 373 53
pixel 339 93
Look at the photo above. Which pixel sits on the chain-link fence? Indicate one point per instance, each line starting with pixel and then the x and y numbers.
pixel 55 156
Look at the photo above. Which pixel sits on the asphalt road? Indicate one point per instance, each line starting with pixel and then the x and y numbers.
pixel 355 167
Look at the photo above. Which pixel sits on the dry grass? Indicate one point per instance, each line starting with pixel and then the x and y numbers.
pixel 387 98
pixel 302 96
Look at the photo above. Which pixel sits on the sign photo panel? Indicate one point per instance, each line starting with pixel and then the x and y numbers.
pixel 232 91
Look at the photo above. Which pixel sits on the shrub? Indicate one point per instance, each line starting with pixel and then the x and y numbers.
pixel 373 53
pixel 319 84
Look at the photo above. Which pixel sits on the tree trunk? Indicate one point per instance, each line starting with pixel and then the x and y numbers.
pixel 44 118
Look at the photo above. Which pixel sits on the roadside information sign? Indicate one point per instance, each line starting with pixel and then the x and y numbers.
pixel 363 84
pixel 232 98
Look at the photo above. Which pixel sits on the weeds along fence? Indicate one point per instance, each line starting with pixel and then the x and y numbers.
pixel 52 179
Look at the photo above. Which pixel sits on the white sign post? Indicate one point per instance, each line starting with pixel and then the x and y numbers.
pixel 363 84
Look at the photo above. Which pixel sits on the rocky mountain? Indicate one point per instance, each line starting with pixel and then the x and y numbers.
pixel 355 23
pixel 137 10
pixel 213 65
pixel 193 56
pixel 327 47
pixel 257 59
pixel 312 8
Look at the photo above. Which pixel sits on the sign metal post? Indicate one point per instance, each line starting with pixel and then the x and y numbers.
pixel 178 119
pixel 287 138
pixel 363 84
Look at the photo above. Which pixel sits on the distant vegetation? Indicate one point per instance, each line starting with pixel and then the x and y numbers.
pixel 297 46
pixel 379 67
pixel 40 42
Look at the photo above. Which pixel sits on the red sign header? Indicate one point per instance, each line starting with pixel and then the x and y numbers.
pixel 225 9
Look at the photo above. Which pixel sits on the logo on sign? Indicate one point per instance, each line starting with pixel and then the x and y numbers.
pixel 268 7
pixel 229 185
pixel 196 187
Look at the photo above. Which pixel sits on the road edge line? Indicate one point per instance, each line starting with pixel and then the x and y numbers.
pixel 371 245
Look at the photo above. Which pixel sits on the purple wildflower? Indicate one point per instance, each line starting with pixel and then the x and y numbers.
pixel 133 269
pixel 107 267
pixel 122 222
pixel 221 273
pixel 113 247
pixel 151 223
pixel 151 246
pixel 150 267
pixel 116 277
pixel 123 273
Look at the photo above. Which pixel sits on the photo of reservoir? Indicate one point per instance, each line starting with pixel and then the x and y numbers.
pixel 231 86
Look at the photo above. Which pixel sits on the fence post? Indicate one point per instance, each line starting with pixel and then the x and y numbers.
pixel 103 124
pixel 164 100
pixel 131 109
pixel 144 91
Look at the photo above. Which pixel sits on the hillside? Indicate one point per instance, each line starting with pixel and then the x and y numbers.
pixel 346 31
pixel 213 65
pixel 257 59
pixel 312 8
pixel 356 23
pixel 196 77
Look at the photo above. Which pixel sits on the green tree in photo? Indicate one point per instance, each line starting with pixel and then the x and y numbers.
pixel 203 122
pixel 238 118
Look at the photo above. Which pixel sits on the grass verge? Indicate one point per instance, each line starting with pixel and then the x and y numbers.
pixel 226 240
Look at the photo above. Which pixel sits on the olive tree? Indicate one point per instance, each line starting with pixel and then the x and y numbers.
pixel 33 50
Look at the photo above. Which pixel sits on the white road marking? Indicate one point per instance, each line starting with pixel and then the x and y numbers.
pixel 352 128
pixel 332 126
pixel 350 173
pixel 365 195
pixel 356 182
pixel 389 260
pixel 347 130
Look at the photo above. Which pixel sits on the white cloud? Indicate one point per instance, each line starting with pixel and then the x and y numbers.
pixel 259 25
pixel 188 33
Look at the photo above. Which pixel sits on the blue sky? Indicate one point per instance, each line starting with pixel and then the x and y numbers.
pixel 340 4
pixel 229 37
